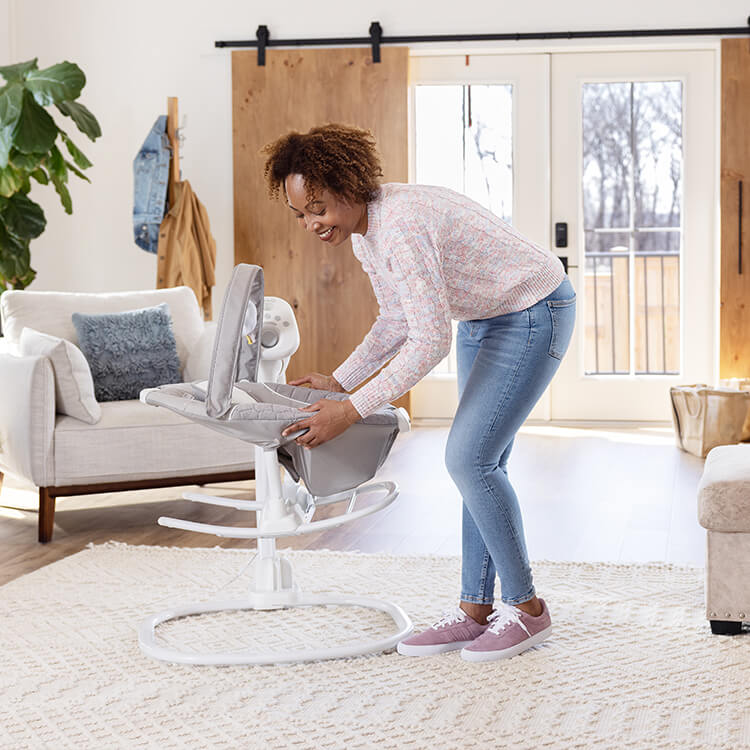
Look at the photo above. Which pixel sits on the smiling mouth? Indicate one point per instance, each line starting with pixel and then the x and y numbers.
pixel 327 234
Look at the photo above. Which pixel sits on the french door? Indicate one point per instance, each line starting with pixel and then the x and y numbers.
pixel 619 151
pixel 634 177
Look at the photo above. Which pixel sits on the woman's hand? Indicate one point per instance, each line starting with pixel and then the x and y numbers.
pixel 330 419
pixel 319 382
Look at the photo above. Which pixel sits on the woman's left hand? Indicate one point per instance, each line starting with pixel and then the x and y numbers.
pixel 331 418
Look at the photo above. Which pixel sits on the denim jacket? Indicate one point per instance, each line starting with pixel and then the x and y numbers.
pixel 151 173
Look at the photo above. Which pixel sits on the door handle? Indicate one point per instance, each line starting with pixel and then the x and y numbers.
pixel 739 230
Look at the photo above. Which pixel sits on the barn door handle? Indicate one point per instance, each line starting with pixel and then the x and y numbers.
pixel 739 228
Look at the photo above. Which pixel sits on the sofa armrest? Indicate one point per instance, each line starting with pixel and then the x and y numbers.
pixel 198 361
pixel 27 418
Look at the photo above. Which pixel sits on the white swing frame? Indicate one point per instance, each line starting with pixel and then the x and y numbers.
pixel 281 510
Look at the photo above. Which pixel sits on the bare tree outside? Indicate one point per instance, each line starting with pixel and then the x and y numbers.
pixel 632 210
pixel 488 147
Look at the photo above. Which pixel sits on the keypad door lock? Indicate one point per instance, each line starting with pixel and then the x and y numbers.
pixel 561 234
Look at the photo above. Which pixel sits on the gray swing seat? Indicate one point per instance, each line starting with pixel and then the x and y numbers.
pixel 234 403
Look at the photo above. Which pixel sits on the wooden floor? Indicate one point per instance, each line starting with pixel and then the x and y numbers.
pixel 586 494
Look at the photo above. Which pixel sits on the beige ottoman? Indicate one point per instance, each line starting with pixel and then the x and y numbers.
pixel 724 511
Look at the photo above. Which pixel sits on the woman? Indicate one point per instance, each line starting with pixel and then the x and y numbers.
pixel 433 255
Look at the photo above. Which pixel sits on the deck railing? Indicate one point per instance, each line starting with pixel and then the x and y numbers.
pixel 646 341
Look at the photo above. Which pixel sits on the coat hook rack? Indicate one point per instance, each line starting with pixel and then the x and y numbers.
pixel 174 143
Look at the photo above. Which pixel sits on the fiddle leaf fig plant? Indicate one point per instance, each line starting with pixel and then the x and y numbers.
pixel 34 147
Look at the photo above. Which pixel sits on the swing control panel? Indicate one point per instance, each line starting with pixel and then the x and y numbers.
pixel 279 336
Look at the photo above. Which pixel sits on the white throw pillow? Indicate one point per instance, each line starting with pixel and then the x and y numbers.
pixel 74 386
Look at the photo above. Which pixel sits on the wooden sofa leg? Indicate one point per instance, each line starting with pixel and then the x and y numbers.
pixel 1 481
pixel 46 514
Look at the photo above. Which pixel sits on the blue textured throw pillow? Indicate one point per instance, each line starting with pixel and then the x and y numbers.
pixel 128 351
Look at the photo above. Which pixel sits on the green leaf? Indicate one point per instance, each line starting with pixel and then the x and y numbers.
pixel 40 176
pixel 55 164
pixel 84 120
pixel 10 104
pixel 64 194
pixel 76 171
pixel 57 83
pixel 27 162
pixel 58 173
pixel 6 138
pixel 23 281
pixel 78 156
pixel 23 218
pixel 18 72
pixel 36 130
pixel 11 245
pixel 15 264
pixel 11 181
pixel 10 112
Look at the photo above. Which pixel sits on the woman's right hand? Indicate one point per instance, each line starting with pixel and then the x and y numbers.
pixel 319 382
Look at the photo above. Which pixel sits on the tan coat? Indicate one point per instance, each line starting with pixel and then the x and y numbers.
pixel 187 251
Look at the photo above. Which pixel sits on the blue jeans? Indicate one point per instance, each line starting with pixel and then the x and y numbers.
pixel 504 366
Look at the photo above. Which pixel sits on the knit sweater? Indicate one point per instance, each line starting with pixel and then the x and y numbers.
pixel 434 255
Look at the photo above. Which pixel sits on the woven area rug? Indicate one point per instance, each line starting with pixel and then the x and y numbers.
pixel 631 662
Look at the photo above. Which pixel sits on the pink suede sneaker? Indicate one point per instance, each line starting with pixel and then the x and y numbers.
pixel 510 631
pixel 453 631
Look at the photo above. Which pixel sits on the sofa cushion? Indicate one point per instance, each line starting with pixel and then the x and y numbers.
pixel 724 489
pixel 50 312
pixel 74 386
pixel 135 441
pixel 128 351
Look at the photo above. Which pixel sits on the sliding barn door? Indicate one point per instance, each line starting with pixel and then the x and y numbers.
pixel 296 90
pixel 735 217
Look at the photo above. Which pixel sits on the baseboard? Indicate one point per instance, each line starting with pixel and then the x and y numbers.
pixel 573 423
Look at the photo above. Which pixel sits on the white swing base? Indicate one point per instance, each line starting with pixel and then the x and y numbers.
pixel 279 514
pixel 149 645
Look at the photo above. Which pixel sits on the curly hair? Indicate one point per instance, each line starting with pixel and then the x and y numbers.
pixel 339 158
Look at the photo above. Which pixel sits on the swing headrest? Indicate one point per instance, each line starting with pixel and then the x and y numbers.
pixel 237 344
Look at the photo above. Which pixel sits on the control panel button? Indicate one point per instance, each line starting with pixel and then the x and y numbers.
pixel 269 337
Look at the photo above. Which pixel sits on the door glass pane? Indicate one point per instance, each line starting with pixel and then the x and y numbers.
pixel 464 141
pixel 632 201
pixel 607 283
pixel 439 119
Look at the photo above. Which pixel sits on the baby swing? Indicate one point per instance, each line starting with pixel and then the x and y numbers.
pixel 255 338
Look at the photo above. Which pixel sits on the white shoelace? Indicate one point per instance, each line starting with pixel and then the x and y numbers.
pixel 504 615
pixel 449 618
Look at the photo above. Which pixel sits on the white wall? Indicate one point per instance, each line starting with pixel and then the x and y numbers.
pixel 135 54
pixel 5 53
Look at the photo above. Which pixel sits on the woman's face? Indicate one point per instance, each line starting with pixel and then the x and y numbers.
pixel 330 218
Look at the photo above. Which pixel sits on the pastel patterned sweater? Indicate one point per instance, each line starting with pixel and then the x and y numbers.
pixel 433 255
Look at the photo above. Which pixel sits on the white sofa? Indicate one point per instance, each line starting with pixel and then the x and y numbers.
pixel 133 446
